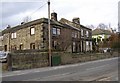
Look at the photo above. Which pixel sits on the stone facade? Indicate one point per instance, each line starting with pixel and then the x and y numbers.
pixel 1 41
pixel 86 39
pixel 65 35
pixel 83 38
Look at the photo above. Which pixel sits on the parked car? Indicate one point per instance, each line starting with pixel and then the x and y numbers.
pixel 3 56
pixel 104 50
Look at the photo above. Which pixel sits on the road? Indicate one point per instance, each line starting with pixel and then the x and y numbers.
pixel 100 70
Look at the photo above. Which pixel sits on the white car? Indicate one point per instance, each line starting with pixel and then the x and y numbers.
pixel 3 56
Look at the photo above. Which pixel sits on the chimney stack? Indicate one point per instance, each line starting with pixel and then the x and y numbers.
pixel 8 26
pixel 76 20
pixel 54 16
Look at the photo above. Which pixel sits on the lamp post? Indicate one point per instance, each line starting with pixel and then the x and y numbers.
pixel 49 33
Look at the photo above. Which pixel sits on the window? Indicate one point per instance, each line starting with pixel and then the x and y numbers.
pixel 87 43
pixel 13 35
pixel 78 34
pixel 73 48
pixel 81 32
pixel 73 34
pixel 1 37
pixel 32 31
pixel 90 34
pixel 32 46
pixel 54 31
pixel 87 33
pixel 58 31
pixel 54 44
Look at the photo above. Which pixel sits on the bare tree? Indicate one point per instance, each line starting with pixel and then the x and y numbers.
pixel 91 26
pixel 102 26
pixel 26 19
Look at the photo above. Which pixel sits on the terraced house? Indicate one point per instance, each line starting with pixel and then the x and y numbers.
pixel 65 35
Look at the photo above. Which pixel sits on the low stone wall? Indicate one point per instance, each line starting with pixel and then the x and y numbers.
pixel 41 59
pixel 29 60
pixel 70 58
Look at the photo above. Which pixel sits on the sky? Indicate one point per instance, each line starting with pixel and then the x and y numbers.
pixel 90 12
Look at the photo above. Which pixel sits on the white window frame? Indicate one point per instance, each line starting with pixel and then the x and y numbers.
pixel 75 35
pixel 74 44
pixel 14 35
pixel 32 30
pixel 58 31
pixel 54 31
pixel 87 43
pixel 81 32
pixel 87 33
pixel 78 34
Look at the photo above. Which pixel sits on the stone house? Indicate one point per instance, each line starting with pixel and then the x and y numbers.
pixel 86 39
pixel 101 38
pixel 34 35
pixel 82 37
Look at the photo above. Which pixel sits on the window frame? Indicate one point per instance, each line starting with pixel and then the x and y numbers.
pixel 87 33
pixel 82 32
pixel 58 31
pixel 13 35
pixel 32 30
pixel 54 31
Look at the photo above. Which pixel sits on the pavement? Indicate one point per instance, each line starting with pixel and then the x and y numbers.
pixel 99 70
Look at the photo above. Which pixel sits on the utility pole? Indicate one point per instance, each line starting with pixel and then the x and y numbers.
pixel 49 33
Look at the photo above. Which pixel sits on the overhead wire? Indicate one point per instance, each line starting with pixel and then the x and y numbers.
pixel 37 9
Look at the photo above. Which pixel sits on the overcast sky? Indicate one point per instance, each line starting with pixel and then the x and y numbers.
pixel 90 12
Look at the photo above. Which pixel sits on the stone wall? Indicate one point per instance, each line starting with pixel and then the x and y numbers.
pixel 29 60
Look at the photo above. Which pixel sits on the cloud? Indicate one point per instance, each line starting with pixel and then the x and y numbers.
pixel 14 12
pixel 89 11
pixel 12 8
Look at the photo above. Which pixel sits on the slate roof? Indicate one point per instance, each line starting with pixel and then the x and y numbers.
pixel 28 24
pixel 61 23
pixel 100 32
pixel 65 21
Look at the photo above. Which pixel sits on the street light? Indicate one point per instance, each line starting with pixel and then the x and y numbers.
pixel 49 33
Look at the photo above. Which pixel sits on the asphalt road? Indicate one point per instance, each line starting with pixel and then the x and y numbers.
pixel 100 70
